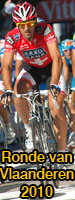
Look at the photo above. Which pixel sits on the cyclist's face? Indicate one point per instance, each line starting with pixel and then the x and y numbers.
pixel 68 53
pixel 27 30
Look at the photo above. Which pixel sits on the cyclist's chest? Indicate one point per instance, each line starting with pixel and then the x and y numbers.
pixel 33 50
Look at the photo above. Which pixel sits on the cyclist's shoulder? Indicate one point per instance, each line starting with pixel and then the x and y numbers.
pixel 43 27
pixel 13 33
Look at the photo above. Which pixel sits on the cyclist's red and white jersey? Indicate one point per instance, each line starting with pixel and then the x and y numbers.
pixel 35 53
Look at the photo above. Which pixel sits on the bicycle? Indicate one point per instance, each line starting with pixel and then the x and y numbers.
pixel 42 127
pixel 1 133
pixel 67 111
pixel 41 114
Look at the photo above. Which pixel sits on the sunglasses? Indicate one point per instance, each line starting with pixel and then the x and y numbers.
pixel 66 50
pixel 22 24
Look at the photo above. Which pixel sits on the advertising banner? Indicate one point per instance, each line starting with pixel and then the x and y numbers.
pixel 56 10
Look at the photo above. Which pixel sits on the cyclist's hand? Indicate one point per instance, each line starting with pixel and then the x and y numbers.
pixel 7 100
pixel 6 97
pixel 55 90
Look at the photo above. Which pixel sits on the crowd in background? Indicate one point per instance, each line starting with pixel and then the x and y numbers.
pixel 6 8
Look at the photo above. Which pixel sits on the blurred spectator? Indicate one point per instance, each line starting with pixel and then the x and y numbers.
pixel 33 2
pixel 2 4
pixel 6 23
pixel 8 9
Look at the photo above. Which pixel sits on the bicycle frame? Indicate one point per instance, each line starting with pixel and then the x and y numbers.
pixel 39 111
pixel 42 125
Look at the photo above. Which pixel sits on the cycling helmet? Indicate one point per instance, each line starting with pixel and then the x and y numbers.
pixel 24 12
pixel 66 44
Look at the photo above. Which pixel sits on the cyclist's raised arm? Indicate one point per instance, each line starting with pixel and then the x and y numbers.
pixel 57 62
pixel 7 70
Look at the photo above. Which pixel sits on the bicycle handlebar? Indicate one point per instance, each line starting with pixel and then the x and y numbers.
pixel 32 93
pixel 52 87
pixel 26 95
pixel 70 90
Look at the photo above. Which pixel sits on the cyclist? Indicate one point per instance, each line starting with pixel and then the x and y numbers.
pixel 4 117
pixel 66 53
pixel 73 66
pixel 72 105
pixel 37 44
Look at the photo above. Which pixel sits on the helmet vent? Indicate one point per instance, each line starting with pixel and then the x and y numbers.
pixel 28 11
pixel 23 12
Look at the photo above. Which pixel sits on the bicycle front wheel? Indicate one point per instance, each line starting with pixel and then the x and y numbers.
pixel 50 138
pixel 37 132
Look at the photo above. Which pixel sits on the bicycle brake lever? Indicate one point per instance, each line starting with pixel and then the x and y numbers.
pixel 53 86
pixel 5 103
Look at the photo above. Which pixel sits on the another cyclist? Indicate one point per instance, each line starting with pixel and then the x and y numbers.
pixel 73 67
pixel 66 53
pixel 4 117
pixel 37 44
pixel 72 105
